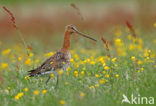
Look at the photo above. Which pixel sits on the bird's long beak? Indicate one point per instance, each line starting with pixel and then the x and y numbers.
pixel 84 35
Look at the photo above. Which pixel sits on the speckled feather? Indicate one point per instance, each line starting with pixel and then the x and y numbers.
pixel 60 60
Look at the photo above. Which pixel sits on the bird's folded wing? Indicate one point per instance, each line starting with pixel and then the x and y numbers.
pixel 55 62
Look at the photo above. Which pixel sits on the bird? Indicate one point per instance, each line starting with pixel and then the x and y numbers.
pixel 61 59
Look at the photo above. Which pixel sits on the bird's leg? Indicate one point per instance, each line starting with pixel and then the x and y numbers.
pixel 48 80
pixel 57 81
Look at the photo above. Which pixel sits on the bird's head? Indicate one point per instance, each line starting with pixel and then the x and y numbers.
pixel 72 29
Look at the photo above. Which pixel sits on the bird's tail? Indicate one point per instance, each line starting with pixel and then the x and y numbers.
pixel 32 73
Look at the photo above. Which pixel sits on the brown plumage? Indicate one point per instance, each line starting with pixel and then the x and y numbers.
pixel 57 61
pixel 61 59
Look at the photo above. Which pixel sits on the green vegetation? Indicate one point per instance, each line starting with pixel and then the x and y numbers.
pixel 92 79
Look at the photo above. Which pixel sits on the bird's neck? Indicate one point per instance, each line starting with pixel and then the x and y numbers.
pixel 66 43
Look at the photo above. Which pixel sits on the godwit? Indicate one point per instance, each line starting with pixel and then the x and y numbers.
pixel 61 59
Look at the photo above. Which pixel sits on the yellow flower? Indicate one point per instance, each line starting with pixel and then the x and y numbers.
pixel 71 60
pixel 19 58
pixel 6 52
pixel 51 75
pixel 60 72
pixel 139 62
pixel 76 73
pixel 97 75
pixel 107 75
pixel 104 64
pixel 138 71
pixel 25 89
pixel 106 80
pixel 49 54
pixel 117 75
pixel 28 61
pixel 27 77
pixel 106 67
pixel 92 62
pixel 9 88
pixel 20 94
pixel 68 68
pixel 62 102
pixel 83 68
pixel 36 92
pixel 66 83
pixel 31 54
pixel 82 72
pixel 91 87
pixel 82 94
pixel 76 56
pixel 133 58
pixel 76 66
pixel 101 81
pixel 149 51
pixel 114 59
pixel 146 53
pixel 4 65
pixel 44 91
pixel 118 42
pixel 147 58
pixel 37 60
pixel 51 62
pixel 142 69
pixel 16 97
pixel 88 60
pixel 139 47
pixel 96 85
pixel 104 72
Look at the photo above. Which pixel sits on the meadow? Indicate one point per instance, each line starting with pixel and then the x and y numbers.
pixel 93 78
pixel 99 73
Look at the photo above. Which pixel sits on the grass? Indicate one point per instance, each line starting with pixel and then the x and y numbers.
pixel 91 79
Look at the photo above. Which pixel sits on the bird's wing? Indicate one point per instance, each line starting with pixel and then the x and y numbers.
pixel 53 63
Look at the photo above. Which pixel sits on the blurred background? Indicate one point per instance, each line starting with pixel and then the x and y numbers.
pixel 43 19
